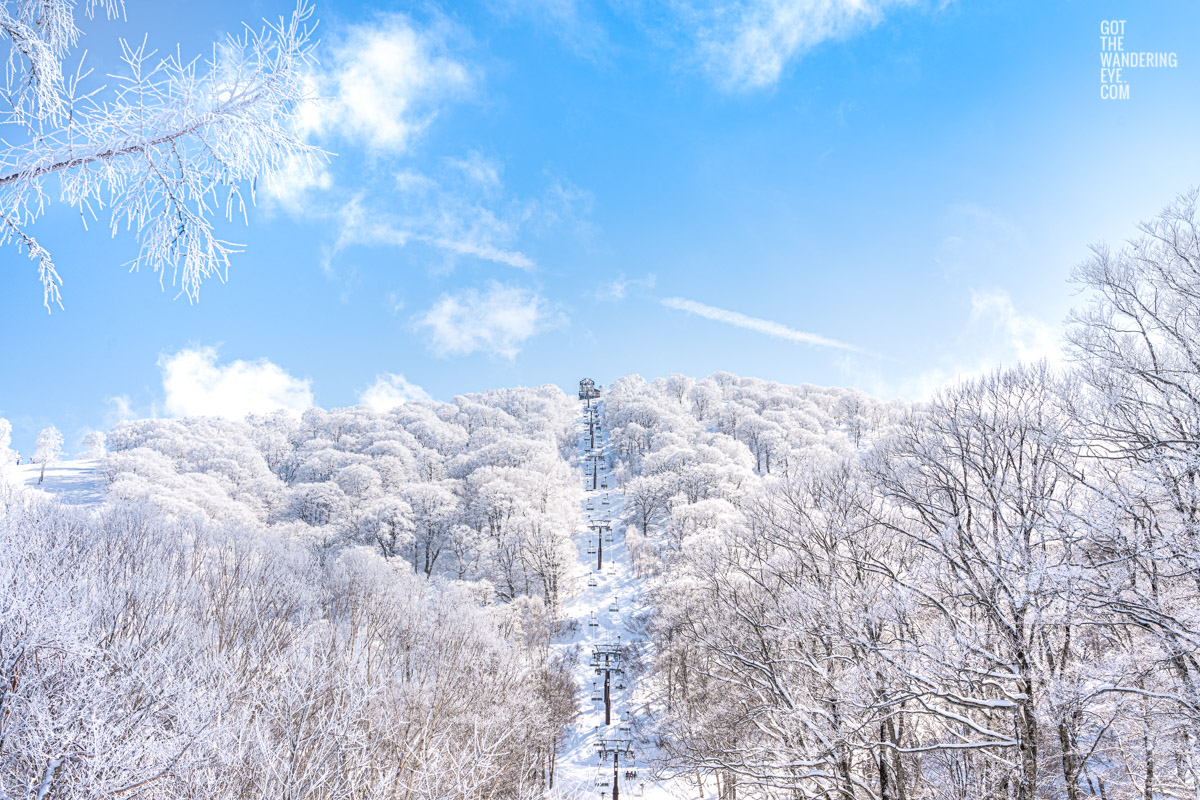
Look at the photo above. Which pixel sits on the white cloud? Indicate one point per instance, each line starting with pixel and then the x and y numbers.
pixel 478 168
pixel 391 390
pixel 995 336
pixel 290 186
pixel 1026 337
pixel 776 329
pixel 482 250
pixel 196 385
pixel 118 408
pixel 386 81
pixel 617 289
pixel 455 218
pixel 747 44
pixel 498 320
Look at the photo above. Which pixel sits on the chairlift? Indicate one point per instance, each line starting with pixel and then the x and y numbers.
pixel 592 580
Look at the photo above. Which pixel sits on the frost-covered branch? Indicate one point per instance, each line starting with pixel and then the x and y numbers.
pixel 164 149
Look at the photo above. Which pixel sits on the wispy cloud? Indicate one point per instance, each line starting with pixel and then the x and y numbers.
pixel 451 224
pixel 574 22
pixel 1026 337
pixel 765 326
pixel 619 288
pixel 747 44
pixel 498 320
pixel 298 179
pixel 995 335
pixel 460 208
pixel 455 228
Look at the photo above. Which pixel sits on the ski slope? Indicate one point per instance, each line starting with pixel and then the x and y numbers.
pixel 605 612
pixel 76 483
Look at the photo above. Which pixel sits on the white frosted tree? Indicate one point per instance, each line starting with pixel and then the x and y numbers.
pixel 164 148
pixel 94 445
pixel 7 456
pixel 48 449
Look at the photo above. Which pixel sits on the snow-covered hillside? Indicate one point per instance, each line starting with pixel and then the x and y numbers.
pixel 791 592
pixel 77 482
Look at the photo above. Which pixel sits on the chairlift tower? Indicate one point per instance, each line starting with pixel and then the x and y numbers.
pixel 614 750
pixel 606 660
pixel 601 527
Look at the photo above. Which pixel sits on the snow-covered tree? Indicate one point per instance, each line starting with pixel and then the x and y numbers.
pixel 94 445
pixel 1137 347
pixel 48 449
pixel 7 456
pixel 388 523
pixel 166 146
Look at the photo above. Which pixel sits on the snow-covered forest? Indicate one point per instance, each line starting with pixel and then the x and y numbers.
pixel 993 594
pixel 240 617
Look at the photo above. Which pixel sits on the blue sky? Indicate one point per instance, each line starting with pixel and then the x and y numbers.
pixel 881 194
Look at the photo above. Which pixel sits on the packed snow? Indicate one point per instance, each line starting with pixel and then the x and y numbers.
pixel 76 483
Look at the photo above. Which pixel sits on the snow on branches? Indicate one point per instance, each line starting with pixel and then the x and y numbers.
pixel 164 148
